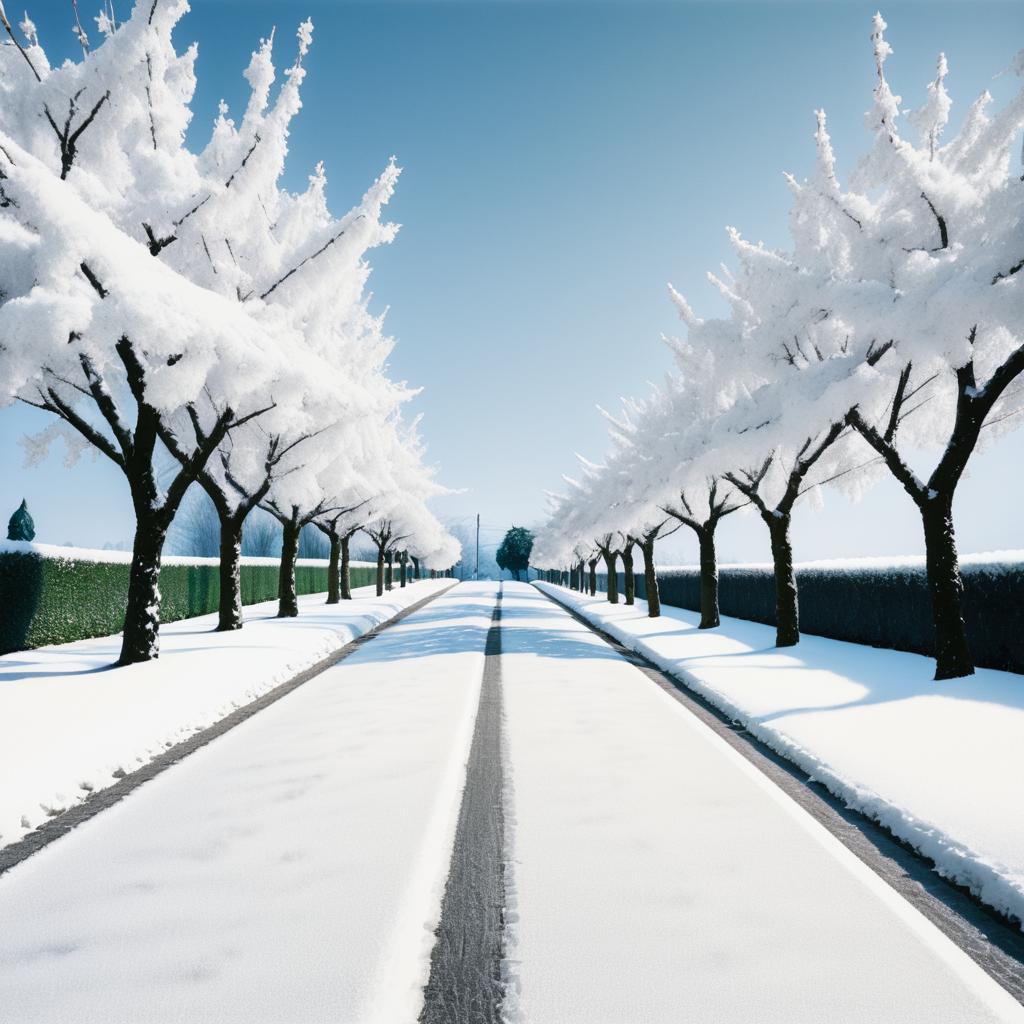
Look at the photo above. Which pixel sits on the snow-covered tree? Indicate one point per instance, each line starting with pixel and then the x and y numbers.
pixel 288 276
pixel 339 527
pixel 401 520
pixel 287 252
pixel 100 335
pixel 767 445
pixel 938 237
pixel 652 461
pixel 384 537
pixel 129 351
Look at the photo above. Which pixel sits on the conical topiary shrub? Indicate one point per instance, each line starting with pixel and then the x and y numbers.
pixel 21 526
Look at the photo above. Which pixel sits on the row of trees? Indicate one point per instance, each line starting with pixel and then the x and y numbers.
pixel 165 303
pixel 892 324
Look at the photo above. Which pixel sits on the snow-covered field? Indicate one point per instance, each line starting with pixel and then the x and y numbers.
pixel 70 725
pixel 657 876
pixel 939 764
pixel 290 871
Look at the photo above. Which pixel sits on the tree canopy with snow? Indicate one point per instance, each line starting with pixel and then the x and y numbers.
pixel 892 321
pixel 160 301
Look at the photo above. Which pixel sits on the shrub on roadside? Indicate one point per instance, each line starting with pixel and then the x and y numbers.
pixel 871 601
pixel 48 597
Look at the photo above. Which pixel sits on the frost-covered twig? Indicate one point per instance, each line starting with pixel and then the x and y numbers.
pixel 308 259
pixel 14 39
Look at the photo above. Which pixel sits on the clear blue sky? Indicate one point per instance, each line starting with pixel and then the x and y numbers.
pixel 562 162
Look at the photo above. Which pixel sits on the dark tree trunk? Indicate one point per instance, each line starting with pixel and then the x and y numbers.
pixel 610 563
pixel 629 580
pixel 651 579
pixel 141 638
pixel 415 568
pixel 402 567
pixel 709 617
pixel 952 654
pixel 593 578
pixel 345 580
pixel 433 574
pixel 229 608
pixel 380 571
pixel 787 609
pixel 390 578
pixel 287 601
pixel 334 570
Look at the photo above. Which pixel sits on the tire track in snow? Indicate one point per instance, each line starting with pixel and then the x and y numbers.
pixel 985 936
pixel 465 984
pixel 74 816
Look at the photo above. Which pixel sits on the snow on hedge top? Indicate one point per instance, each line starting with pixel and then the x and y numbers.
pixel 70 554
pixel 989 561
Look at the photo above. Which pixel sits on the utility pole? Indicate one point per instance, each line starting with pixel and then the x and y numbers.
pixel 476 575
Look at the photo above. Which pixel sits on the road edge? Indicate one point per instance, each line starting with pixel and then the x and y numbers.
pixel 60 824
pixel 978 930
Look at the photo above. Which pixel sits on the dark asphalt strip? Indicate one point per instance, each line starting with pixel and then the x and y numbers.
pixel 989 939
pixel 465 985
pixel 64 822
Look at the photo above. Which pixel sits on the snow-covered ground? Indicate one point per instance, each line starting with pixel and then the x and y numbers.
pixel 70 725
pixel 290 870
pixel 657 876
pixel 940 764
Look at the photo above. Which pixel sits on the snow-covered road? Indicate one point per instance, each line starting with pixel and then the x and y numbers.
pixel 293 869
pixel 69 727
pixel 658 877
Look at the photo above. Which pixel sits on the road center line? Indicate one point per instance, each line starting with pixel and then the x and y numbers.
pixel 465 984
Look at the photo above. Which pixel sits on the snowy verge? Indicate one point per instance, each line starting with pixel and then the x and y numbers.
pixel 70 725
pixel 938 764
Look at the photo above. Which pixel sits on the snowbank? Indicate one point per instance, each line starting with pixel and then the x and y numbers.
pixel 937 763
pixel 71 725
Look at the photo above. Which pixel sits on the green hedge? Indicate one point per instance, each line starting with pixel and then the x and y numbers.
pixel 54 600
pixel 880 605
